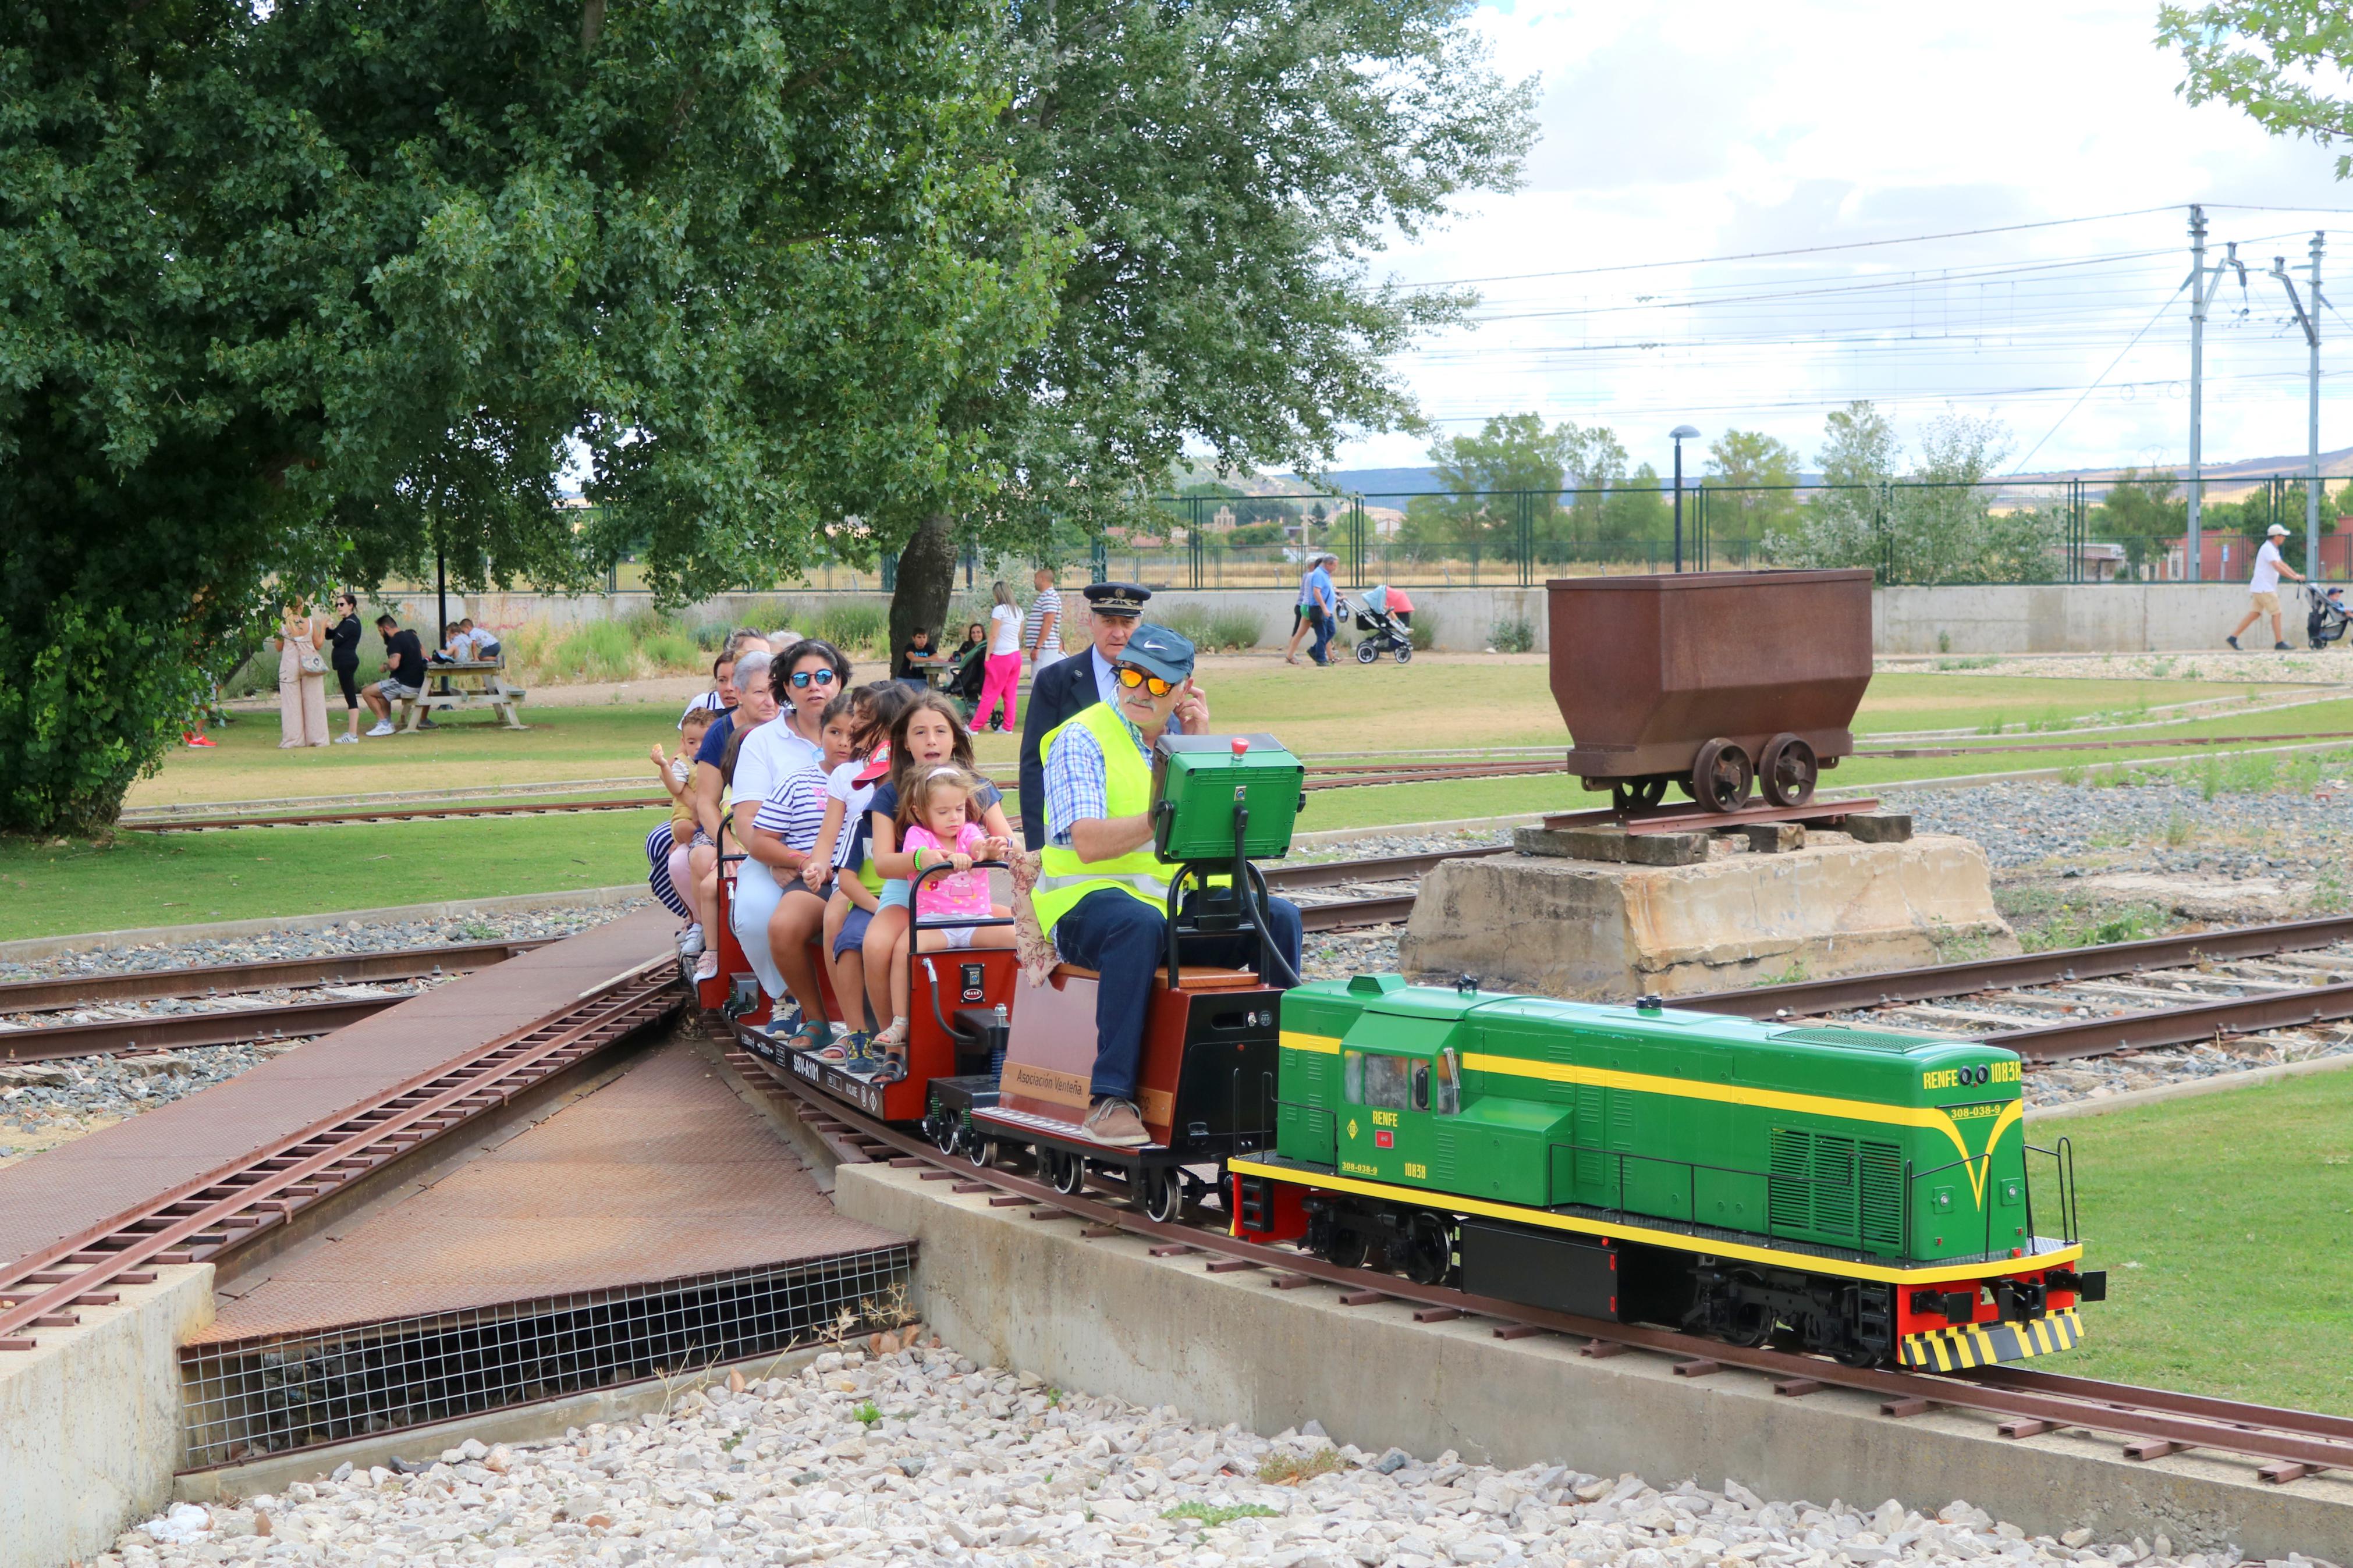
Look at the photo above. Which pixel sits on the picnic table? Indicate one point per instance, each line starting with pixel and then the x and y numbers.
pixel 484 686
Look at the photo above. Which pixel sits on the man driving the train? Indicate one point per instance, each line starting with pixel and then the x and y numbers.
pixel 1102 891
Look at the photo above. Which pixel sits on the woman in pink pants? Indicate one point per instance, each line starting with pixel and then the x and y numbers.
pixel 1004 665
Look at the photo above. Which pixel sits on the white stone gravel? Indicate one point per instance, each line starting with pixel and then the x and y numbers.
pixel 953 1464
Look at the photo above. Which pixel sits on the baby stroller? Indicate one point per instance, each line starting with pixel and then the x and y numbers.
pixel 1378 629
pixel 2324 620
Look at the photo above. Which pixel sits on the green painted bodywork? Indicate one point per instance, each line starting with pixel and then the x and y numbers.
pixel 1867 1142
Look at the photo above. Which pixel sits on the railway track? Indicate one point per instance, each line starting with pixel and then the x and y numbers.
pixel 253 1014
pixel 2053 1006
pixel 2287 1445
pixel 215 1214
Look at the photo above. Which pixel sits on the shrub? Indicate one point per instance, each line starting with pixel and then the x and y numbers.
pixel 593 650
pixel 1513 637
pixel 1212 630
pixel 849 625
pixel 1424 631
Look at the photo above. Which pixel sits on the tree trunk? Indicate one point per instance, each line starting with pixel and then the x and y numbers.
pixel 926 583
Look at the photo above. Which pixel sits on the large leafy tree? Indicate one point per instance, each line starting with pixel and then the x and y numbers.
pixel 320 288
pixel 2285 62
pixel 1230 168
pixel 1754 476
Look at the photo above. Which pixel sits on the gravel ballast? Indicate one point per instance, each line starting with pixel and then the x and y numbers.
pixel 919 1458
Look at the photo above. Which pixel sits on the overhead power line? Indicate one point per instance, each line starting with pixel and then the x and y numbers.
pixel 1805 249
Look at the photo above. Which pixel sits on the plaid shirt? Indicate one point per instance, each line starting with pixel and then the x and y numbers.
pixel 1076 779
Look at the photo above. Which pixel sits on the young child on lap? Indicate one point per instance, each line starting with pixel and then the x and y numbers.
pixel 935 817
pixel 674 773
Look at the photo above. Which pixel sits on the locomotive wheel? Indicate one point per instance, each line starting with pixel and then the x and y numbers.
pixel 1638 794
pixel 1721 777
pixel 1067 1172
pixel 1350 1250
pixel 1367 652
pixel 1405 653
pixel 1788 769
pixel 1428 1247
pixel 941 1128
pixel 1164 1194
pixel 981 1152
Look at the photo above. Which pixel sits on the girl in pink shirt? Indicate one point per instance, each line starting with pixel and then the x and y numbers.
pixel 936 820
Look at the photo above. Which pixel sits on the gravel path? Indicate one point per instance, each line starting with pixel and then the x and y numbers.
pixel 2323 667
pixel 2163 827
pixel 919 1458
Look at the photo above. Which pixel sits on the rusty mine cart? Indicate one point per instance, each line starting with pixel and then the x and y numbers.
pixel 1713 681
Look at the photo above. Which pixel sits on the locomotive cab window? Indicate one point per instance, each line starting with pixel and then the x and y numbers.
pixel 1449 1082
pixel 1384 1082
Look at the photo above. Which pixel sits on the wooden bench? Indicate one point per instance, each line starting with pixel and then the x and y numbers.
pixel 489 689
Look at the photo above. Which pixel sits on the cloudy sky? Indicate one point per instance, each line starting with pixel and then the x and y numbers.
pixel 1703 129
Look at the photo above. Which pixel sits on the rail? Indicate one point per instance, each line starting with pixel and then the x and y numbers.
pixel 2294 1443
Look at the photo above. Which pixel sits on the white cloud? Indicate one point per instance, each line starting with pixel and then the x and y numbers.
pixel 1705 128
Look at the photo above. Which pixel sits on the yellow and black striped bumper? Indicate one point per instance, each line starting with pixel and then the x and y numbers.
pixel 1984 1344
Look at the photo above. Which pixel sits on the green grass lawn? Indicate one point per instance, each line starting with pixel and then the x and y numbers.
pixel 180 879
pixel 2221 1222
pixel 1421 706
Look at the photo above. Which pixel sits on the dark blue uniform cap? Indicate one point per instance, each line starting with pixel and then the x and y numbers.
pixel 1156 650
pixel 1116 598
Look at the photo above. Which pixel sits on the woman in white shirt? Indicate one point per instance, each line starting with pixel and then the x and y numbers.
pixel 776 914
pixel 1004 665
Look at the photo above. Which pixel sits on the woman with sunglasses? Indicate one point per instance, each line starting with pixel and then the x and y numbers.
pixel 774 913
pixel 343 658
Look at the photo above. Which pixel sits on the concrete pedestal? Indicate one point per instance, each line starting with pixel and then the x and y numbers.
pixel 1599 931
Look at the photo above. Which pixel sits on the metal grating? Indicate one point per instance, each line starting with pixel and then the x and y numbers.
pixel 246 1398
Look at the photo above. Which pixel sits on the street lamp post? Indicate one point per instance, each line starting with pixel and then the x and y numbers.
pixel 1681 433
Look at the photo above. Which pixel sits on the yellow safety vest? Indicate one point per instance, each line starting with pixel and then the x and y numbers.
pixel 1062 877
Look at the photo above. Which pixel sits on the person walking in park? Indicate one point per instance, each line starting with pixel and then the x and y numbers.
pixel 2263 588
pixel 1322 605
pixel 1041 629
pixel 302 677
pixel 1302 622
pixel 1004 666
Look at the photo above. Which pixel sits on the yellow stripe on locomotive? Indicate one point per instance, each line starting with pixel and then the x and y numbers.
pixel 1858 1154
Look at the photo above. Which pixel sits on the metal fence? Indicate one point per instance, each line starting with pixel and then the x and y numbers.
pixel 1906 532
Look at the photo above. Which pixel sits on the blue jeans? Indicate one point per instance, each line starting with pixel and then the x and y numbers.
pixel 1323 649
pixel 1123 940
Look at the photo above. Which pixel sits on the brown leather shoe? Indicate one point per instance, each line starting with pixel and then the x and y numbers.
pixel 1115 1123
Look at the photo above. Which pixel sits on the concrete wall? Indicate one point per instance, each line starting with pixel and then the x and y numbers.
pixel 1105 1317
pixel 2087 617
pixel 89 1421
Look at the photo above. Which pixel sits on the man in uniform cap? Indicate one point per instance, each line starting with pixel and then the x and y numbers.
pixel 1102 890
pixel 1060 689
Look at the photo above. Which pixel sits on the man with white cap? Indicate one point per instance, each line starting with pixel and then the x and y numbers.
pixel 2263 588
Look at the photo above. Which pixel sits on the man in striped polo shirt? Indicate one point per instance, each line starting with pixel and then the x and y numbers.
pixel 1041 629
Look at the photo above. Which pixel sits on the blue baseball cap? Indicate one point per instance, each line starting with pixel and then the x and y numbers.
pixel 1156 650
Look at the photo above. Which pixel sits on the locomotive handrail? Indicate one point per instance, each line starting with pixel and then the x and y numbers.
pixel 2062 1161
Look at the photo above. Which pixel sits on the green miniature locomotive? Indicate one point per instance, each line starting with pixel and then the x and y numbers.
pixel 1856 1193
